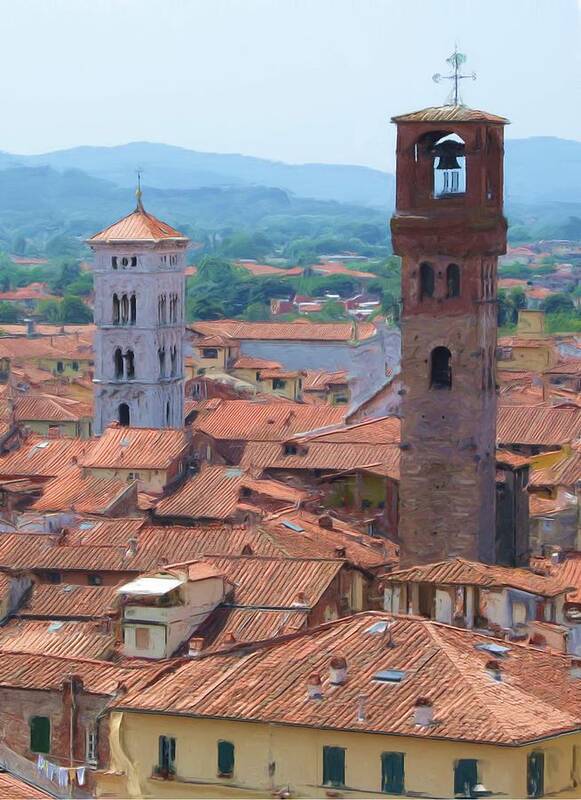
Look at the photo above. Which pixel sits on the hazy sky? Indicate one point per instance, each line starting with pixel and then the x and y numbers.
pixel 294 80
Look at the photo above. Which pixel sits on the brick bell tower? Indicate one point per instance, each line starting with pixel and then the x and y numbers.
pixel 449 229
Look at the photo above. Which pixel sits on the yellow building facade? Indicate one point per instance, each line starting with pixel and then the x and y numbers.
pixel 270 758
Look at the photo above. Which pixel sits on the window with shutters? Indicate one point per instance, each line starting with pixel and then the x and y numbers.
pixel 91 745
pixel 334 766
pixel 392 773
pixel 166 766
pixel 536 774
pixel 40 734
pixel 465 777
pixel 225 759
pixel 142 639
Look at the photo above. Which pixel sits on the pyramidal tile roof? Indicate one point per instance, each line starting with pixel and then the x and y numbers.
pixel 139 226
pixel 450 113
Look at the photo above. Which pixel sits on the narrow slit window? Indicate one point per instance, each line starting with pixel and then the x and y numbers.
pixel 426 281
pixel 453 281
pixel 441 368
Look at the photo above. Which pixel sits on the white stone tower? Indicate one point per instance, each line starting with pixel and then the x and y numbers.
pixel 139 268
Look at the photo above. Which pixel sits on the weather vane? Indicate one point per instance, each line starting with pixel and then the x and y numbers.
pixel 455 61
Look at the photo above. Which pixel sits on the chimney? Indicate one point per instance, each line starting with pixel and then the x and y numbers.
pixel 103 626
pixel 314 686
pixel 493 669
pixel 338 671
pixel 538 640
pixel 362 708
pixel 300 599
pixel 196 646
pixel 131 547
pixel 340 552
pixel 229 638
pixel 325 521
pixel 575 668
pixel 423 712
pixel 387 638
pixel 30 328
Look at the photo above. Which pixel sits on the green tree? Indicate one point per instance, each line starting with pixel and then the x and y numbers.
pixel 73 310
pixel 9 312
pixel 558 303
pixel 257 312
pixel 518 298
pixel 49 310
pixel 66 273
pixel 333 310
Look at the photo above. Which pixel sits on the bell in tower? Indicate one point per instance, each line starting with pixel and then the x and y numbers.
pixel 447 153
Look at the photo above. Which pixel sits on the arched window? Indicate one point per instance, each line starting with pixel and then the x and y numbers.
pixel 167 413
pixel 426 280
pixel 449 166
pixel 124 414
pixel 124 309
pixel 133 304
pixel 130 363
pixel 115 309
pixel 441 368
pixel 174 360
pixel 453 281
pixel 118 362
pixel 161 356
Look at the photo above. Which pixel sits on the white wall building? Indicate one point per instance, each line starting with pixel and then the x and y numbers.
pixel 139 268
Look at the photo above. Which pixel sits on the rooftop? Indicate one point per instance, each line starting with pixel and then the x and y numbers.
pixel 139 226
pixel 38 456
pixel 84 494
pixel 535 698
pixel 136 448
pixel 299 330
pixel 450 113
pixel 69 638
pixel 459 572
pixel 538 425
pixel 14 788
pixel 68 601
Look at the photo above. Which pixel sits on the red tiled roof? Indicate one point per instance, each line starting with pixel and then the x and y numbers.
pixel 39 456
pixel 542 506
pixel 68 601
pixel 571 366
pixel 535 698
pixel 332 456
pixel 299 330
pixel 565 472
pixel 84 494
pixel 273 583
pixel 260 269
pixel 139 226
pixel 459 571
pixel 136 448
pixel 567 571
pixel 228 624
pixel 49 408
pixel 511 459
pixel 315 380
pixel 214 493
pixel 337 268
pixel 538 425
pixel 56 638
pixel 245 420
pixel 380 430
pixel 249 362
pixel 13 788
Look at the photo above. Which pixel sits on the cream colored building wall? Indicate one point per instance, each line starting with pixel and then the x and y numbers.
pixel 73 429
pixel 297 756
pixel 150 480
pixel 533 359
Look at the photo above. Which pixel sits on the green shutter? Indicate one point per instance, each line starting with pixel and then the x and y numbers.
pixel 40 734
pixel 167 754
pixel 465 776
pixel 334 766
pixel 225 758
pixel 536 774
pixel 392 773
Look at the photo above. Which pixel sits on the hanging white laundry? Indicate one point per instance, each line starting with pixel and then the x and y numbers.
pixel 81 775
pixel 63 777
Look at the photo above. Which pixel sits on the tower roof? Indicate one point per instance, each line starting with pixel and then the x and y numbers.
pixel 139 226
pixel 450 113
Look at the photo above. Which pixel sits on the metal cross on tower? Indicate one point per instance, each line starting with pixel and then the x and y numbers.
pixel 455 60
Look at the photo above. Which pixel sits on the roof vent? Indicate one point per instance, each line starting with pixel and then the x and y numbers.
pixel 389 676
pixel 497 650
pixel 362 708
pixel 423 712
pixel 196 646
pixel 493 669
pixel 325 521
pixel 314 686
pixel 340 552
pixel 338 671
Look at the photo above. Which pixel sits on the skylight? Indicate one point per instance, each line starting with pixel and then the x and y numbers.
pixel 378 627
pixel 491 647
pixel 389 676
pixel 292 525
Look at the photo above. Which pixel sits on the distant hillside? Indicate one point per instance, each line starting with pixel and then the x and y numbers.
pixel 538 169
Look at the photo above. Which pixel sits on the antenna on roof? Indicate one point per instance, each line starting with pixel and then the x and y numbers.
pixel 138 190
pixel 455 61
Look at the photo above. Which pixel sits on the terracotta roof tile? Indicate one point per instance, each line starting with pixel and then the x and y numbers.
pixel 137 448
pixel 85 494
pixel 228 625
pixel 332 456
pixel 245 420
pixel 68 601
pixel 459 571
pixel 316 380
pixel 57 638
pixel 567 571
pixel 38 456
pixel 14 788
pixel 249 362
pixel 534 699
pixel 538 425
pixel 380 430
pixel 300 330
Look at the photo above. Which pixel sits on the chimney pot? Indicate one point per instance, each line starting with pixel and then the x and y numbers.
pixel 538 640
pixel 362 708
pixel 314 686
pixel 423 711
pixel 300 599
pixel 325 521
pixel 338 671
pixel 340 552
pixel 196 645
